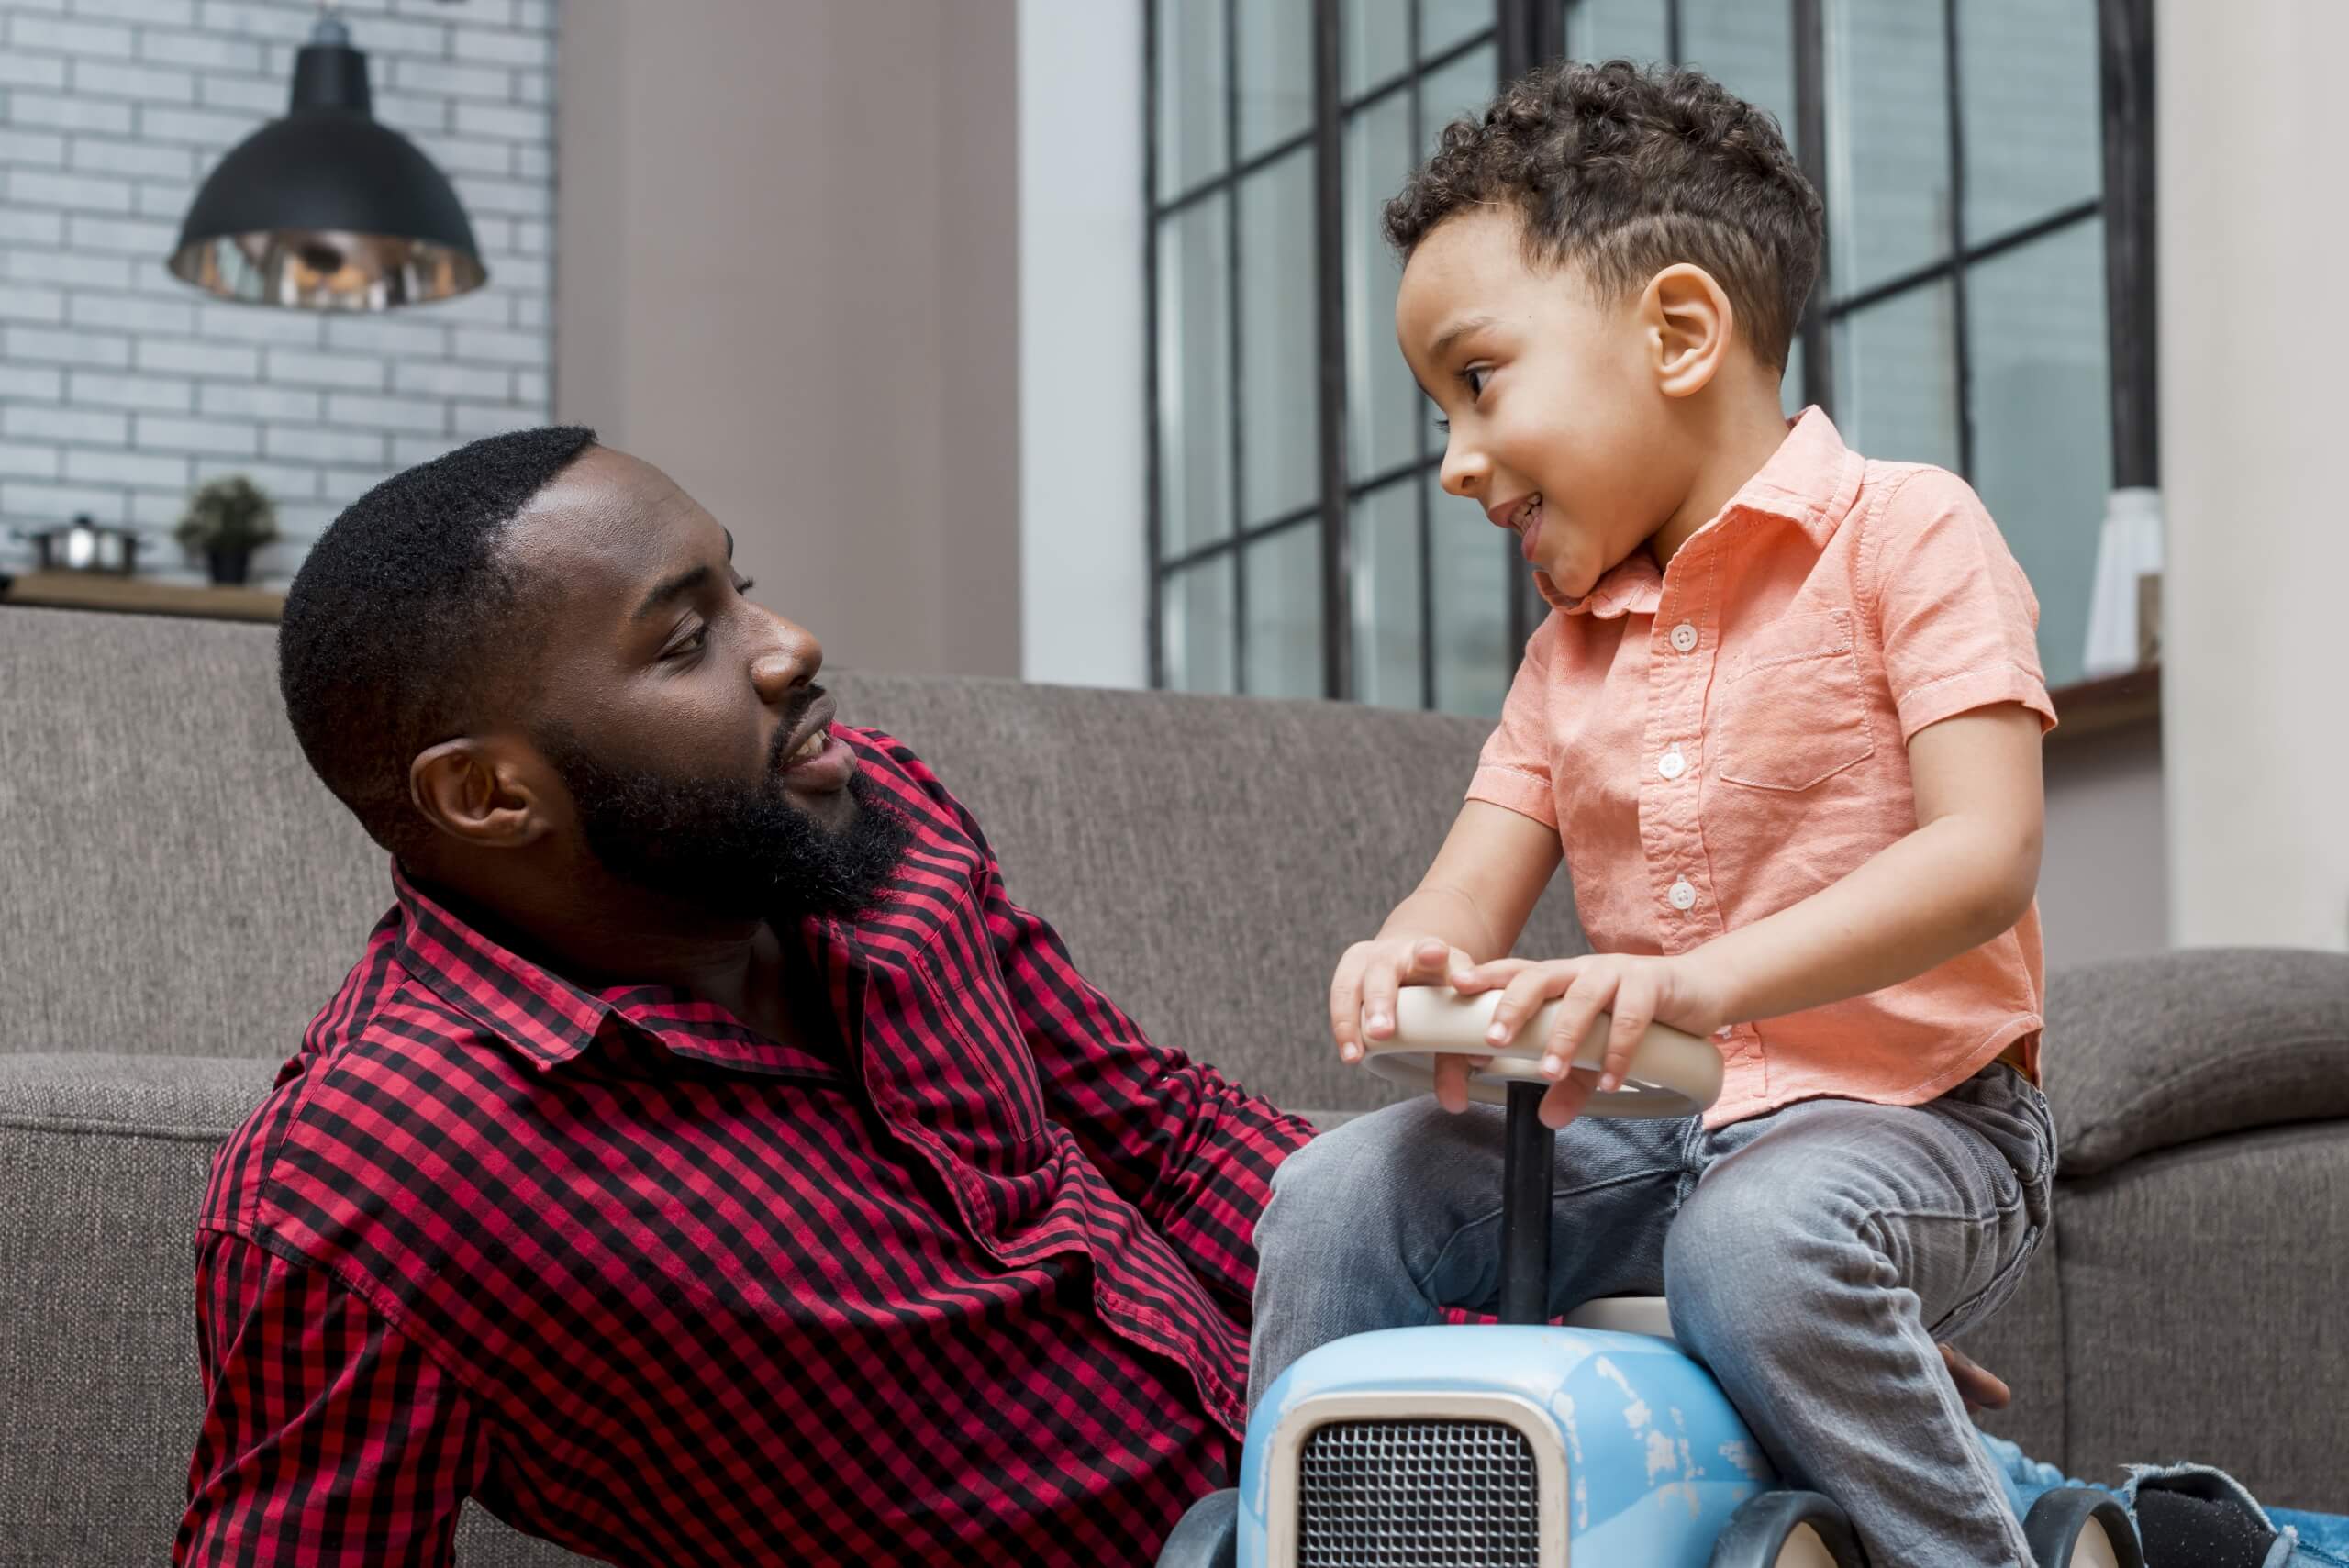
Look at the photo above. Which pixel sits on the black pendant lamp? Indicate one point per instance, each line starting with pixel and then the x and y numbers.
pixel 325 209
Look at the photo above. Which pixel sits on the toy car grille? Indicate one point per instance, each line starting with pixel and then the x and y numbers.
pixel 1442 1494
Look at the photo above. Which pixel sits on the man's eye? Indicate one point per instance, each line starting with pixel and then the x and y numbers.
pixel 743 585
pixel 689 643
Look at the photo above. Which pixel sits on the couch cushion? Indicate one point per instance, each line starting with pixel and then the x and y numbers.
pixel 2144 1053
pixel 102 1159
pixel 188 887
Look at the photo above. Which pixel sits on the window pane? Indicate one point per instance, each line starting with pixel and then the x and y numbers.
pixel 2034 129
pixel 1190 95
pixel 1464 87
pixel 1276 72
pixel 1376 43
pixel 2043 421
pixel 1383 403
pixel 1195 376
pixel 1471 561
pixel 1281 420
pixel 1609 30
pixel 1196 628
pixel 1443 23
pixel 1285 614
pixel 1895 379
pixel 1386 526
pixel 1748 46
pixel 1888 140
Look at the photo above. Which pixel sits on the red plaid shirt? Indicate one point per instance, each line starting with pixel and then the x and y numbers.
pixel 963 1276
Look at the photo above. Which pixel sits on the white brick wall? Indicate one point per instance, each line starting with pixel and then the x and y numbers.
pixel 122 388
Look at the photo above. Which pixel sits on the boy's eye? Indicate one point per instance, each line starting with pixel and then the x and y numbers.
pixel 1474 377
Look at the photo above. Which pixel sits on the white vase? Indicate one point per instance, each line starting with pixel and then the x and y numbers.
pixel 2128 548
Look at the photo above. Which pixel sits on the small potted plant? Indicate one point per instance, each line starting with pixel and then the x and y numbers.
pixel 228 519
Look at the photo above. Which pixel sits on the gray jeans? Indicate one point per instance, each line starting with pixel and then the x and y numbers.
pixel 1811 1258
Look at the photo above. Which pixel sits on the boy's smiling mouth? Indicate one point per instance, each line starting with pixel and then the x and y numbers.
pixel 1522 518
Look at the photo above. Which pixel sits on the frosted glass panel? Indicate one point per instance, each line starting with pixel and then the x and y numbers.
pixel 1190 95
pixel 1197 631
pixel 1285 614
pixel 1195 376
pixel 1888 140
pixel 1895 379
pixel 1279 459
pixel 1387 595
pixel 2043 421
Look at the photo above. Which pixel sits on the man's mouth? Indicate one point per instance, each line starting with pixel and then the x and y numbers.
pixel 811 747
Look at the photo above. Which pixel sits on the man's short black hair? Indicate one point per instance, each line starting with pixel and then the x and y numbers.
pixel 407 618
pixel 1625 170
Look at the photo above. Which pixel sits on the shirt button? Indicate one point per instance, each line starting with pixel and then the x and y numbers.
pixel 1682 896
pixel 1684 637
pixel 1671 764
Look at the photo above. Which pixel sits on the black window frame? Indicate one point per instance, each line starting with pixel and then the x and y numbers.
pixel 1525 32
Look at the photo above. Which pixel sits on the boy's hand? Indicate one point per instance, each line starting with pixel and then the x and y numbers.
pixel 1681 991
pixel 1362 992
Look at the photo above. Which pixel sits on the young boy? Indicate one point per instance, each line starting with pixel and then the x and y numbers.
pixel 1783 724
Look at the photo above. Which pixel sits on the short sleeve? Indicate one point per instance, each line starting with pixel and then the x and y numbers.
pixel 327 1437
pixel 1514 770
pixel 1956 618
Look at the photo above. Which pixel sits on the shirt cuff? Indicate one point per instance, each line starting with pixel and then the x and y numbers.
pixel 1953 694
pixel 1523 793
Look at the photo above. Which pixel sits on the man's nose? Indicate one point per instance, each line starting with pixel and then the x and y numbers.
pixel 789 659
pixel 1465 469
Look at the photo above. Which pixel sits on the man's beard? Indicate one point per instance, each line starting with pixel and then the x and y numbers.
pixel 734 849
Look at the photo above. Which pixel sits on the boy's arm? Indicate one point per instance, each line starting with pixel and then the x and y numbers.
pixel 1956 618
pixel 1964 876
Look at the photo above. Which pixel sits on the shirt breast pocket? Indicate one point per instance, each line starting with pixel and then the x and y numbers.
pixel 1793 714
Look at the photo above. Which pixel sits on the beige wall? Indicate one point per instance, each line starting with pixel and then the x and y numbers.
pixel 2103 874
pixel 788 232
pixel 2254 347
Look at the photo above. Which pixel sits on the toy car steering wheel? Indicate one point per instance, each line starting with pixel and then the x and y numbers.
pixel 1672 1073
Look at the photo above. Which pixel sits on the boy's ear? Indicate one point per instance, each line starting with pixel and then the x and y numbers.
pixel 1687 322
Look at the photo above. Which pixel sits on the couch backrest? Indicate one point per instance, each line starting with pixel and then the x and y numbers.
pixel 179 881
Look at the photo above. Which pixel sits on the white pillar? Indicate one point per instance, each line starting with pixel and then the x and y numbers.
pixel 1084 585
pixel 2254 456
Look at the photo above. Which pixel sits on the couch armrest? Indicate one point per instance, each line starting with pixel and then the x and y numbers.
pixel 182 1098
pixel 2146 1053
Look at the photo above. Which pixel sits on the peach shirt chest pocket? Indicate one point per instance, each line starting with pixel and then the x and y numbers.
pixel 1791 711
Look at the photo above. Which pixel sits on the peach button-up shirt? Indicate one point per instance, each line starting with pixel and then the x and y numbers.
pixel 1720 739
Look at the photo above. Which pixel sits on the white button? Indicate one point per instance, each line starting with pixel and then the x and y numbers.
pixel 1684 637
pixel 1682 895
pixel 1671 764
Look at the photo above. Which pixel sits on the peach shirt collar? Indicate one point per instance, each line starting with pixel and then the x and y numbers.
pixel 1810 481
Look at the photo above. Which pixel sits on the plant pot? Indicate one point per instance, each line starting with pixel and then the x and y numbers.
pixel 229 567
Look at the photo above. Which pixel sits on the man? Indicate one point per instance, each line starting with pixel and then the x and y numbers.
pixel 705 1162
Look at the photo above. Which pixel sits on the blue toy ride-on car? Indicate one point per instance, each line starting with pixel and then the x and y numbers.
pixel 1525 1445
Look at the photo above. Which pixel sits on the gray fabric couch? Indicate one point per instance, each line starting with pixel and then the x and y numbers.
pixel 181 896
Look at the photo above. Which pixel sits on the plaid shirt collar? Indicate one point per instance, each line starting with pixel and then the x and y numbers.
pixel 549 1020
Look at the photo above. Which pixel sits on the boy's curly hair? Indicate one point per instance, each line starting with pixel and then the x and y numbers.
pixel 1624 171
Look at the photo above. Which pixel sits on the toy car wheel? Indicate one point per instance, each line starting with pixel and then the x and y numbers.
pixel 2076 1527
pixel 1207 1535
pixel 1787 1529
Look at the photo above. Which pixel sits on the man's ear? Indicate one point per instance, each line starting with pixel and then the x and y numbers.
pixel 1687 322
pixel 490 792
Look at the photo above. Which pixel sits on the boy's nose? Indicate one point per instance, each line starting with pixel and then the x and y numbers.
pixel 1464 472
